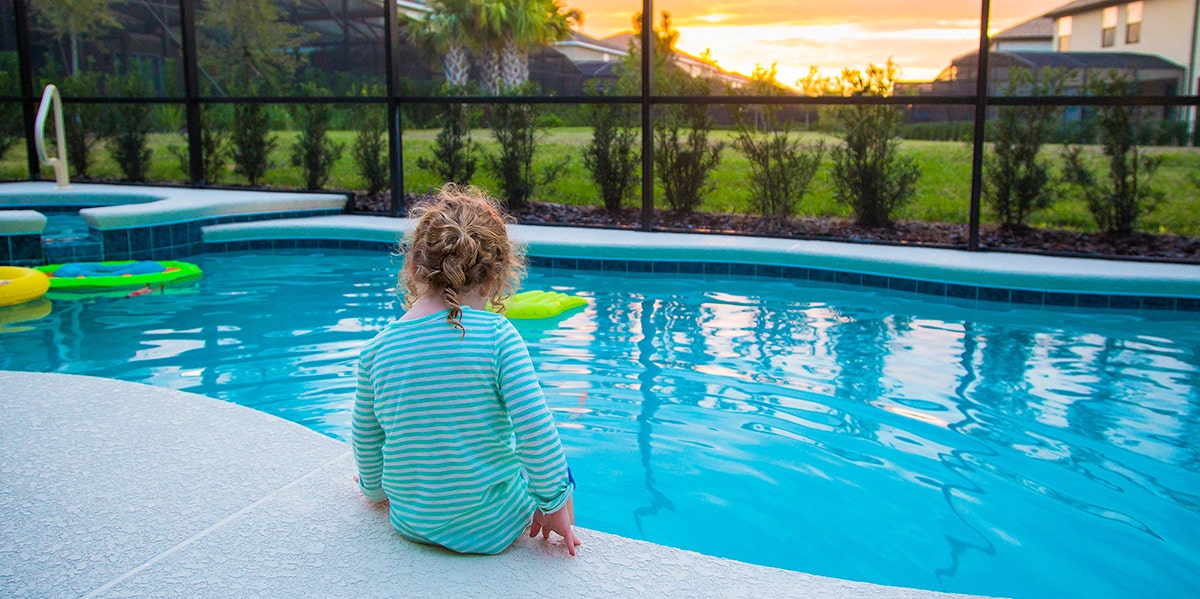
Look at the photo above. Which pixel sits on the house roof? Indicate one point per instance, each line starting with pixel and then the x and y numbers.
pixel 1083 60
pixel 1079 6
pixel 597 68
pixel 1037 27
pixel 576 38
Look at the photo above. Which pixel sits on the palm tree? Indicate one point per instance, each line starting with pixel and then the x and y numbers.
pixel 446 31
pixel 529 24
pixel 491 23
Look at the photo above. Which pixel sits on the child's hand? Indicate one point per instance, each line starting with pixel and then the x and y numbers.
pixel 559 523
pixel 374 503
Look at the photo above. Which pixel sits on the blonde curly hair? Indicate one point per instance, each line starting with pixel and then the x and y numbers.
pixel 460 243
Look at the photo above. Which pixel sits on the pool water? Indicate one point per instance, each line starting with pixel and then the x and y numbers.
pixel 990 450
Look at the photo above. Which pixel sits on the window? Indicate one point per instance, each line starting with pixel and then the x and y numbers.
pixel 1064 34
pixel 1108 31
pixel 1133 22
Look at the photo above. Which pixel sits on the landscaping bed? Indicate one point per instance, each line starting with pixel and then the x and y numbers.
pixel 1164 247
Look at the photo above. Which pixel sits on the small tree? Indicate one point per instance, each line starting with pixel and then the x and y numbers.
pixel 869 173
pixel 132 128
pixel 611 157
pixel 314 152
pixel 454 153
pixel 370 147
pixel 683 162
pixel 10 115
pixel 781 167
pixel 1116 206
pixel 1016 182
pixel 214 144
pixel 514 128
pixel 82 123
pixel 252 141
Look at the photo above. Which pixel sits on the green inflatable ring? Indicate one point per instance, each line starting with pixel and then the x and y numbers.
pixel 531 305
pixel 173 272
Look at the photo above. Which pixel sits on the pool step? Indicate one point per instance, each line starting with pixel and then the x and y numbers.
pixel 72 248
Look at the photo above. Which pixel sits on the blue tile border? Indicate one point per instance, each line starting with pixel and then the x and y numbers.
pixel 946 291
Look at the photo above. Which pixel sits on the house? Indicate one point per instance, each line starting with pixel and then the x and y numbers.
pixel 1166 28
pixel 1150 41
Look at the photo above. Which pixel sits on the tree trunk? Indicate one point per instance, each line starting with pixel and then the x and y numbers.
pixel 514 65
pixel 490 70
pixel 457 65
pixel 74 54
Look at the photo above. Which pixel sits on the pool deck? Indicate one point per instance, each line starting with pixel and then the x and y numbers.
pixel 117 489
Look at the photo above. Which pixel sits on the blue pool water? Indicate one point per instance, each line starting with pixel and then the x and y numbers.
pixel 984 450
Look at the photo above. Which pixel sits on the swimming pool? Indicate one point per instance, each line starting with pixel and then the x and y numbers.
pixel 845 433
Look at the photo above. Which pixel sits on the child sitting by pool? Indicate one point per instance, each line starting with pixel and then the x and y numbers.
pixel 450 425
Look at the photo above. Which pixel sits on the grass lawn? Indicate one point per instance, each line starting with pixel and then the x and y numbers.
pixel 943 192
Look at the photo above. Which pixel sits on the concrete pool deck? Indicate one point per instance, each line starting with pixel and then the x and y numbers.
pixel 117 489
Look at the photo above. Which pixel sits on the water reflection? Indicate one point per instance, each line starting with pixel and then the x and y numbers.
pixel 647 382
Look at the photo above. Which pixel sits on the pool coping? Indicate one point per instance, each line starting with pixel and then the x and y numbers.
pixel 117 489
pixel 1025 279
pixel 164 223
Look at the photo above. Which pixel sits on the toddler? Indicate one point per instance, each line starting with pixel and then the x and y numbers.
pixel 450 425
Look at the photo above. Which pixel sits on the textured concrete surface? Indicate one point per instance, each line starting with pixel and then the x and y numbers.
pixel 141 206
pixel 21 222
pixel 115 489
pixel 989 269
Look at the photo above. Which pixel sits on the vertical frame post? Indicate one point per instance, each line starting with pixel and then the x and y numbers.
pixel 191 91
pixel 28 100
pixel 647 119
pixel 395 126
pixel 981 91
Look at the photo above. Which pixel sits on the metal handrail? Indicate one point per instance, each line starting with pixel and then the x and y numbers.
pixel 51 98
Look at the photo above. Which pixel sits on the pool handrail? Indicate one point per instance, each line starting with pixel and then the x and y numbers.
pixel 51 98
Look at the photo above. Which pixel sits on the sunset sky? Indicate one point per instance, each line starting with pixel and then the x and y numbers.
pixel 921 36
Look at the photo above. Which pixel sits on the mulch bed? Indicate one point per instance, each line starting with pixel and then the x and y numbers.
pixel 1172 248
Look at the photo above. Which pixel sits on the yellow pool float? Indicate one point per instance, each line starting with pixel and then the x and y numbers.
pixel 19 285
pixel 530 305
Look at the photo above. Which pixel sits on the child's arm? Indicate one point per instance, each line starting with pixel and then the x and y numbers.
pixel 538 446
pixel 366 437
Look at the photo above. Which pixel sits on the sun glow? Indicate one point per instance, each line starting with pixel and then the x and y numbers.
pixel 922 38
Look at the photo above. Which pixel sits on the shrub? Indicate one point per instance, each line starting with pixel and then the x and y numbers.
pixel 684 164
pixel 515 130
pixel 611 158
pixel 781 167
pixel 1116 206
pixel 10 128
pixel 132 123
pixel 216 144
pixel 869 173
pixel 252 142
pixel 370 149
pixel 83 124
pixel 11 123
pixel 454 154
pixel 314 152
pixel 1016 182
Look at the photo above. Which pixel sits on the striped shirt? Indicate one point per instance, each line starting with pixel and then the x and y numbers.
pixel 454 431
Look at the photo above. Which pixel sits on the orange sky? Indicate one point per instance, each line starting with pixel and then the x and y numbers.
pixel 921 36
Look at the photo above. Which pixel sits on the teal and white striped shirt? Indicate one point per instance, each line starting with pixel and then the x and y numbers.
pixel 453 429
